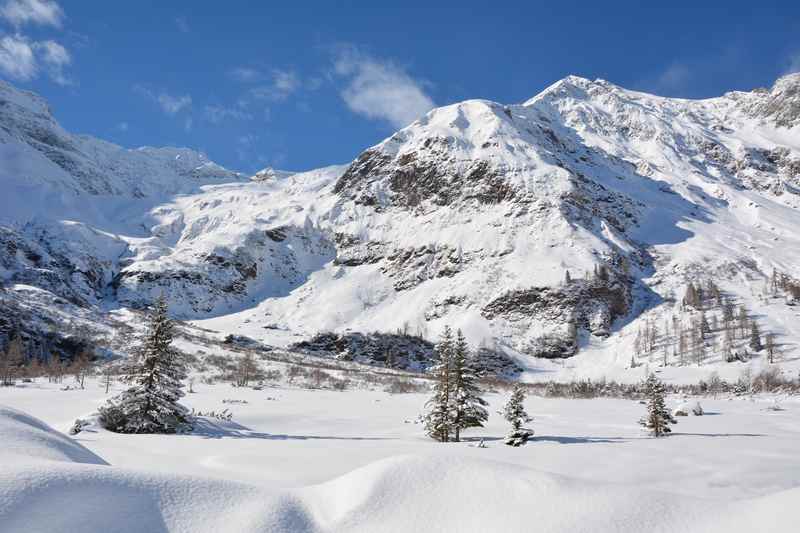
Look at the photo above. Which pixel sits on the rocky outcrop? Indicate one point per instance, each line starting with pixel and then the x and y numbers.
pixel 400 351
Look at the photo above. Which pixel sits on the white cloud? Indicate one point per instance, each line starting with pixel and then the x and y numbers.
pixel 41 12
pixel 216 114
pixel 380 89
pixel 283 84
pixel 22 58
pixel 17 59
pixel 245 74
pixel 170 104
pixel 55 58
pixel 794 63
pixel 123 126
pixel 182 24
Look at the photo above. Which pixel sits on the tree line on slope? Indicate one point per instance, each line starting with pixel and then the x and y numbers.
pixel 707 321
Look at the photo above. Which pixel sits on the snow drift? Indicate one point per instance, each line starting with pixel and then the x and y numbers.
pixel 50 483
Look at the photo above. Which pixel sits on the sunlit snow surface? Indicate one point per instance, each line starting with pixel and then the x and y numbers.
pixel 355 461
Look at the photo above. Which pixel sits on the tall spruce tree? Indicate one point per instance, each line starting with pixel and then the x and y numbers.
pixel 658 418
pixel 469 409
pixel 755 338
pixel 150 404
pixel 514 410
pixel 439 416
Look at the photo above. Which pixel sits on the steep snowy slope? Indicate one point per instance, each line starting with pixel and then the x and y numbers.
pixel 473 216
pixel 552 228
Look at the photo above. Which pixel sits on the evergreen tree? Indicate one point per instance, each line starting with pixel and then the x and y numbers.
pixel 150 404
pixel 705 328
pixel 769 344
pixel 658 418
pixel 468 408
pixel 727 346
pixel 514 410
pixel 727 312
pixel 439 418
pixel 690 298
pixel 755 338
pixel 743 321
pixel 567 278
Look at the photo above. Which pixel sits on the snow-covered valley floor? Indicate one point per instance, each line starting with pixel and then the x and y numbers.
pixel 313 460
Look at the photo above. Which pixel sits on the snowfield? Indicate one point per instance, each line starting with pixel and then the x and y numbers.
pixel 312 460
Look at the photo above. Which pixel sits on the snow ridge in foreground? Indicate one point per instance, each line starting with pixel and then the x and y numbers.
pixel 51 483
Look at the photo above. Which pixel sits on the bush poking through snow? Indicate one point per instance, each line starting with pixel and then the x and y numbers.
pixel 681 410
pixel 78 426
pixel 519 437
pixel 658 418
pixel 225 415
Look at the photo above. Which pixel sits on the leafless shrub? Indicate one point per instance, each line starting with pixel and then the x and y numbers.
pixel 398 385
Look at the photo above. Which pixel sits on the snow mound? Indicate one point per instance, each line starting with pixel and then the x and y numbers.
pixel 434 492
pixel 24 435
pixel 461 494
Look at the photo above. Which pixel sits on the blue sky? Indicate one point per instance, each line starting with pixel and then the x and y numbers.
pixel 298 85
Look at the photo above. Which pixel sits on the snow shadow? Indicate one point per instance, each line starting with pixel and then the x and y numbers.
pixel 677 434
pixel 228 429
pixel 578 440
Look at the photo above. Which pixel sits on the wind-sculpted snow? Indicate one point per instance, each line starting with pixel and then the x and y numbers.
pixel 50 483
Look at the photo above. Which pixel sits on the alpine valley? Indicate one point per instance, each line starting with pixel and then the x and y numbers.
pixel 562 235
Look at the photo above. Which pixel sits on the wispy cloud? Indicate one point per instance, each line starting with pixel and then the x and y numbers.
pixel 39 12
pixel 793 63
pixel 245 74
pixel 55 58
pixel 380 89
pixel 182 24
pixel 22 59
pixel 17 60
pixel 676 77
pixel 282 84
pixel 217 113
pixel 171 105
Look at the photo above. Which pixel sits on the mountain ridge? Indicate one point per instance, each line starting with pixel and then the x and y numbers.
pixel 471 216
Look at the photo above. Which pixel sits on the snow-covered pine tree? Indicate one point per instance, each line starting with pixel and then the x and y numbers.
pixel 469 409
pixel 439 416
pixel 514 410
pixel 690 298
pixel 755 338
pixel 658 418
pixel 150 404
pixel 769 344
pixel 705 327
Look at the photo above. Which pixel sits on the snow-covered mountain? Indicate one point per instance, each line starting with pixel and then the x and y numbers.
pixel 474 216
